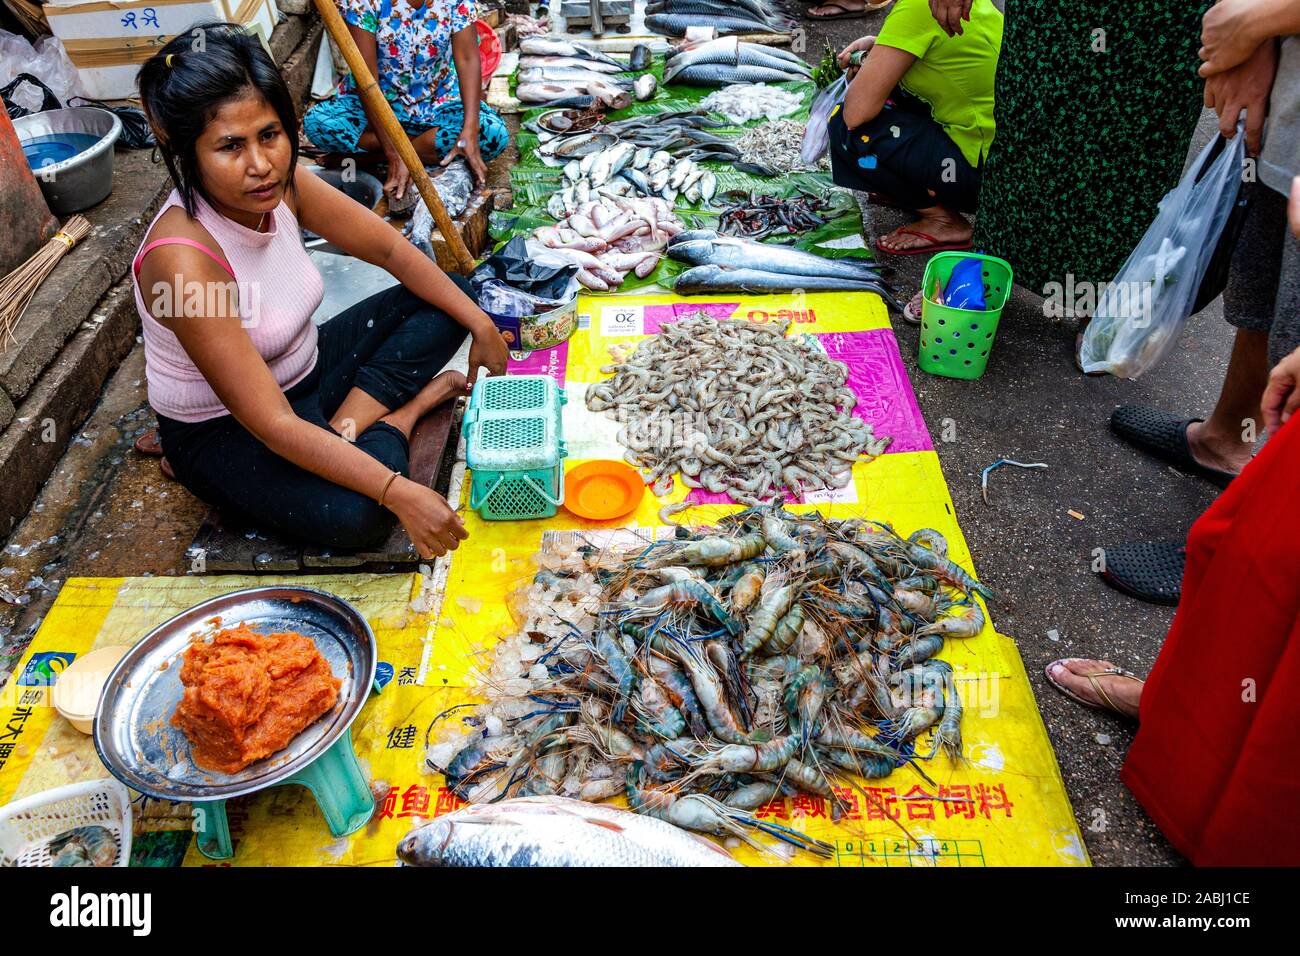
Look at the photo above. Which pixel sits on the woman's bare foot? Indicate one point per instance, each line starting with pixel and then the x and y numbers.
pixel 943 226
pixel 1124 692
pixel 442 387
pixel 912 312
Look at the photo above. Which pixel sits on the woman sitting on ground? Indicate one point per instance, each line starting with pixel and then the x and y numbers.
pixel 298 429
pixel 917 121
pixel 424 55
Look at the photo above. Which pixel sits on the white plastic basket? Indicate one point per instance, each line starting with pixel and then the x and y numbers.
pixel 27 826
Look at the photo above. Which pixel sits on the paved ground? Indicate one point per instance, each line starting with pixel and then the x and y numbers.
pixel 107 512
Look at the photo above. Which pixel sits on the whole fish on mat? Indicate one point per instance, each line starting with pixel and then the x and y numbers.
pixel 555 831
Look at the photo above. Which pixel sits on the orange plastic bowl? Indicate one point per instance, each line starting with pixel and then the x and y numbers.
pixel 602 490
pixel 489 50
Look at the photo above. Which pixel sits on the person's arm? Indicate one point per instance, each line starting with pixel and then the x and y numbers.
pixel 469 74
pixel 222 351
pixel 330 213
pixel 1232 30
pixel 880 73
pixel 399 177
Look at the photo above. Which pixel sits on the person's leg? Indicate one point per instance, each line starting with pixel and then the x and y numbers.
pixel 225 465
pixel 338 125
pixel 1226 439
pixel 861 160
pixel 904 154
pixel 1223 440
pixel 444 129
pixel 384 353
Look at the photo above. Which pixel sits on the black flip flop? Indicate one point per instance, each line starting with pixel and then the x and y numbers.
pixel 1164 436
pixel 1150 571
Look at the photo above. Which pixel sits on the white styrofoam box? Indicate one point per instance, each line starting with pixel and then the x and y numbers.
pixel 109 39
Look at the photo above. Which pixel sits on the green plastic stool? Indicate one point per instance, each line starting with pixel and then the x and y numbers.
pixel 956 342
pixel 334 779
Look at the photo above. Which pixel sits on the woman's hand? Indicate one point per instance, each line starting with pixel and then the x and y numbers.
pixel 487 350
pixel 434 528
pixel 1244 87
pixel 950 13
pixel 861 43
pixel 399 177
pixel 467 146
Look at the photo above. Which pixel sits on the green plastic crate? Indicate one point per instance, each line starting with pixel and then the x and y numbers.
pixel 957 342
pixel 514 445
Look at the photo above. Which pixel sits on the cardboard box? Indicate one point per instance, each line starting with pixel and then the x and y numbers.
pixel 109 39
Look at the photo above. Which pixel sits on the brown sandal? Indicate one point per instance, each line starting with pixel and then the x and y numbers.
pixel 149 444
pixel 1107 703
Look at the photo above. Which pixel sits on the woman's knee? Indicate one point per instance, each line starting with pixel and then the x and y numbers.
pixel 348 520
pixel 328 126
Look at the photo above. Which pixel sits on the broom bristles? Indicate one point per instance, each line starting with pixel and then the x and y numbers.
pixel 19 286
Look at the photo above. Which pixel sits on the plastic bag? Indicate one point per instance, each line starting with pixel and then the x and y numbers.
pixel 453 186
pixel 47 60
pixel 816 138
pixel 966 286
pixel 1139 315
pixel 498 298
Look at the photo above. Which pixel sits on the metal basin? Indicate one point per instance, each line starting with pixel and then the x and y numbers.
pixel 83 179
pixel 133 732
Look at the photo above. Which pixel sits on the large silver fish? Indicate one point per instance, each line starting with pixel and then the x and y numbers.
pixel 566 74
pixel 675 24
pixel 731 52
pixel 555 831
pixel 553 46
pixel 769 258
pixel 573 62
pixel 731 43
pixel 714 278
pixel 720 74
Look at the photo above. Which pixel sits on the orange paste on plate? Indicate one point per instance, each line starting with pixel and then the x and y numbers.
pixel 248 695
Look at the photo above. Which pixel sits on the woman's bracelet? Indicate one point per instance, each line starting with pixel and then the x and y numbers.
pixel 388 484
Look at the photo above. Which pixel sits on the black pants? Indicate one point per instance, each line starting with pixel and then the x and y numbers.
pixel 389 346
pixel 902 153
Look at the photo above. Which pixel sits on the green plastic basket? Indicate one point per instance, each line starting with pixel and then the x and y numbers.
pixel 957 342
pixel 514 445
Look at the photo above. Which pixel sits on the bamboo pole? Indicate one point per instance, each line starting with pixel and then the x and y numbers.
pixel 369 91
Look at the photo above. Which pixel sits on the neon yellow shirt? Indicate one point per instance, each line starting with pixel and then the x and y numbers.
pixel 954 75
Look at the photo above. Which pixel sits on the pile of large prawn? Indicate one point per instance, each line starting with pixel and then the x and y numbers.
pixel 704 675
pixel 738 408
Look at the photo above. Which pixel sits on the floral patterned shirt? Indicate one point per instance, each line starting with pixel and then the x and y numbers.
pixel 416 71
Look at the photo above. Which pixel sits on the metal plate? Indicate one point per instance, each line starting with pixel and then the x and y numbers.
pixel 133 731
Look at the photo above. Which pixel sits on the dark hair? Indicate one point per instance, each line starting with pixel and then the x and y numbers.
pixel 189 79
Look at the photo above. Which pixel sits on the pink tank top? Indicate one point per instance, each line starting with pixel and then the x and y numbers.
pixel 278 289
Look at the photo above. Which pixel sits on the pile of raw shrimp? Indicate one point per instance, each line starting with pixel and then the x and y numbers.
pixel 703 675
pixel 738 408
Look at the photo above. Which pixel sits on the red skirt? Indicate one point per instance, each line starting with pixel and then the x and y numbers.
pixel 1216 760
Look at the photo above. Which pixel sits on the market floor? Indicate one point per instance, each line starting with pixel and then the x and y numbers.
pixel 107 512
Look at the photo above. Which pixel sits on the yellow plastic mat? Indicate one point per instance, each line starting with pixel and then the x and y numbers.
pixel 1006 806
